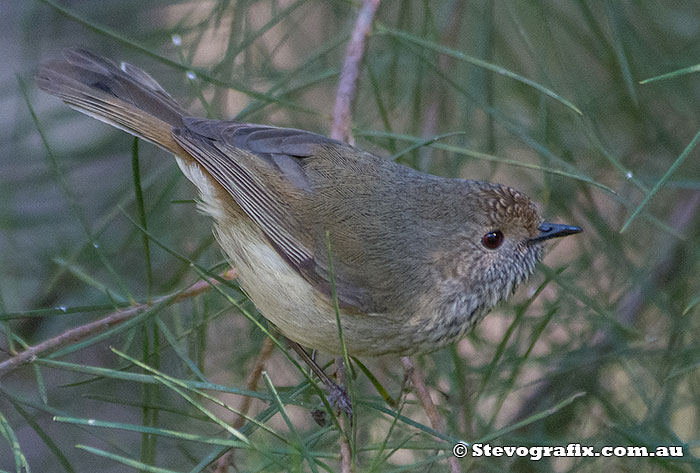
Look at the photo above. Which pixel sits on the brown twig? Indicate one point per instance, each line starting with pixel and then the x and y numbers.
pixel 226 459
pixel 423 394
pixel 253 378
pixel 430 121
pixel 345 452
pixel 82 332
pixel 340 130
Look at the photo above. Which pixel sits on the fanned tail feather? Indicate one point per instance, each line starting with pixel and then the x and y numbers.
pixel 125 97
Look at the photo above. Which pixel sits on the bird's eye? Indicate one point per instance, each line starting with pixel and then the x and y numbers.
pixel 492 240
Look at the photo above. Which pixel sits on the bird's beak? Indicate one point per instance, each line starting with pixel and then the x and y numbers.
pixel 555 230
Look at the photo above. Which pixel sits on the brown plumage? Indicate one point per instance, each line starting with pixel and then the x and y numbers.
pixel 417 259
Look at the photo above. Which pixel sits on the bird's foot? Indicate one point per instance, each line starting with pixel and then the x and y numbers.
pixel 339 401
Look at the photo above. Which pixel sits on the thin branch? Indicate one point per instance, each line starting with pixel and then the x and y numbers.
pixel 423 393
pixel 265 352
pixel 115 318
pixel 345 452
pixel 340 130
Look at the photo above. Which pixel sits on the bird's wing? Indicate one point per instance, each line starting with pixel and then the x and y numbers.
pixel 261 168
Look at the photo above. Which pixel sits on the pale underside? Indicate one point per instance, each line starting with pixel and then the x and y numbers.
pixel 291 303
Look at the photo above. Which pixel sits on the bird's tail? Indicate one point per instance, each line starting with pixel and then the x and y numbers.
pixel 125 97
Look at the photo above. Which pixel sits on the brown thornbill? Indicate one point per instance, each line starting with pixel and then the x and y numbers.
pixel 417 259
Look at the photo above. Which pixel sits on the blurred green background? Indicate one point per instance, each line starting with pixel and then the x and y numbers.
pixel 598 348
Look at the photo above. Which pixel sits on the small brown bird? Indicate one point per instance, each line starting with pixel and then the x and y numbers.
pixel 416 259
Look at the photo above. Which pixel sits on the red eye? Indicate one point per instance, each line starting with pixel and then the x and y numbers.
pixel 492 240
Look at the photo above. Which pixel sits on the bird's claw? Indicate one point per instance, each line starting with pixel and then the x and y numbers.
pixel 339 401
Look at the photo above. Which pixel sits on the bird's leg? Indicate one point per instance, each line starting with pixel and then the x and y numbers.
pixel 337 396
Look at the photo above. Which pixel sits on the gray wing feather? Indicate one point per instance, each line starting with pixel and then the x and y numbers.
pixel 260 139
pixel 247 190
pixel 243 158
pixel 127 82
